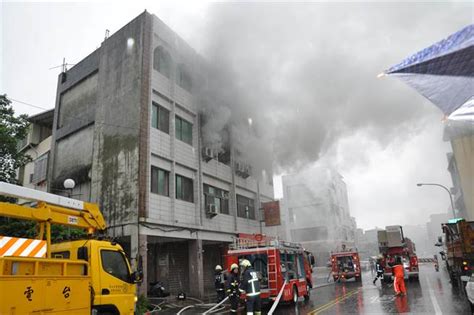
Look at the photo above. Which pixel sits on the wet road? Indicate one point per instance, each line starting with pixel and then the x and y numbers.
pixel 433 294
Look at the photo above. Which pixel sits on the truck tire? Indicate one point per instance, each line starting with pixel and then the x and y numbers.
pixel 295 295
pixel 358 278
pixel 308 292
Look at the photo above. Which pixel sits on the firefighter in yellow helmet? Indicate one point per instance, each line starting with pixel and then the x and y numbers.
pixel 251 285
pixel 232 288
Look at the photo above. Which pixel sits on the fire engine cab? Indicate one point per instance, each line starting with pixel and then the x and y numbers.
pixel 345 264
pixel 278 263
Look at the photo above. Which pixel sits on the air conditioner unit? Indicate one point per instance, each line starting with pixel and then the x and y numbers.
pixel 207 154
pixel 211 210
pixel 242 169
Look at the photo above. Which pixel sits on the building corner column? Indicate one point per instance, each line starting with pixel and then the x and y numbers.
pixel 196 268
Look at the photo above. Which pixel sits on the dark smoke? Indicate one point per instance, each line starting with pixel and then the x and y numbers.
pixel 305 74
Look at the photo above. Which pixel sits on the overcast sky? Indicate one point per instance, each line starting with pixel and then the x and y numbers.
pixel 382 136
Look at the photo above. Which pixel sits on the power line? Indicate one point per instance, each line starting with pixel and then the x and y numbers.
pixel 28 104
pixel 73 117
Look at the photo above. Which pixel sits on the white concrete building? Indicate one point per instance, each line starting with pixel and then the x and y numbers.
pixel 317 211
pixel 128 131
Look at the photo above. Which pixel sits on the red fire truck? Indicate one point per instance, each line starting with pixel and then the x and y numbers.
pixel 276 261
pixel 392 244
pixel 345 264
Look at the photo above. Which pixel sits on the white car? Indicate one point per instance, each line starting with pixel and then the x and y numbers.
pixel 470 292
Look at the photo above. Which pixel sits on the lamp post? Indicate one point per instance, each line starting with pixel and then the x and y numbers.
pixel 445 188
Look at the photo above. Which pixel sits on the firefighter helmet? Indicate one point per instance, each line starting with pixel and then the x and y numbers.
pixel 233 266
pixel 218 268
pixel 245 263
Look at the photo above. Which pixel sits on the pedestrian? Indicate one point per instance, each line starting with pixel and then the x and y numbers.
pixel 219 282
pixel 378 269
pixel 251 285
pixel 398 277
pixel 232 288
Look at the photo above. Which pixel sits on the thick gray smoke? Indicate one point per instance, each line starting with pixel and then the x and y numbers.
pixel 289 80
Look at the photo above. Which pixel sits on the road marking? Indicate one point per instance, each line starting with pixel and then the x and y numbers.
pixel 333 302
pixel 433 298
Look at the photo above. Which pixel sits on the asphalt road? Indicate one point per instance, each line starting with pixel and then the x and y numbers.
pixel 433 294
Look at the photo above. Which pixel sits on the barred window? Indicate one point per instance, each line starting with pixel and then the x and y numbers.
pixel 40 173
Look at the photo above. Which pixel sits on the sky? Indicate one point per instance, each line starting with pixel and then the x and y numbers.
pixel 306 75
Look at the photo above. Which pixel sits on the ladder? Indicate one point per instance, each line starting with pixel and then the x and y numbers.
pixel 272 272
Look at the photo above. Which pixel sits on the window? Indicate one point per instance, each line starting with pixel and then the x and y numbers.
pixel 217 197
pixel 113 262
pixel 245 207
pixel 41 169
pixel 159 181
pixel 184 188
pixel 162 61
pixel 183 78
pixel 184 130
pixel 160 118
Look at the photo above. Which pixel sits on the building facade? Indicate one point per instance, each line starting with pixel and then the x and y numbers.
pixel 316 208
pixel 127 129
pixel 461 166
pixel 36 145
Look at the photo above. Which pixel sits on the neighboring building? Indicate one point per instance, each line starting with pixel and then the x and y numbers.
pixel 317 211
pixel 433 228
pixel 37 145
pixel 461 166
pixel 127 129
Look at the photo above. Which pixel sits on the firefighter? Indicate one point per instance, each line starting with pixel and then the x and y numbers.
pixel 378 269
pixel 219 281
pixel 232 287
pixel 398 277
pixel 251 285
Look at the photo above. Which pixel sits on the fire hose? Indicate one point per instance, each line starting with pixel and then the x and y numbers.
pixel 215 306
pixel 275 304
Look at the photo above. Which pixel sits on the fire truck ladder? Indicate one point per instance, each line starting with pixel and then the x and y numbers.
pixel 272 271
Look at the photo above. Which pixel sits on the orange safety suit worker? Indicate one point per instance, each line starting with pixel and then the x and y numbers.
pixel 398 281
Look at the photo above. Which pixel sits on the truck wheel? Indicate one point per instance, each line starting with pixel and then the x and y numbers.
pixel 295 295
pixel 358 278
pixel 308 292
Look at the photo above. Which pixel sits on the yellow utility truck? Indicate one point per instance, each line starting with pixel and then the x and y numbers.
pixel 88 276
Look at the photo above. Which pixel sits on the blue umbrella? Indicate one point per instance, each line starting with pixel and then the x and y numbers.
pixel 443 72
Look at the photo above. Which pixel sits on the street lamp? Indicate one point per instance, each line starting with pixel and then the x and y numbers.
pixel 445 188
pixel 69 185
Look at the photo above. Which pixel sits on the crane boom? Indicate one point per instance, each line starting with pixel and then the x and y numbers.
pixel 16 191
pixel 51 208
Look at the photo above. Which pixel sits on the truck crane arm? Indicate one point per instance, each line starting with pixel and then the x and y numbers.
pixel 51 208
